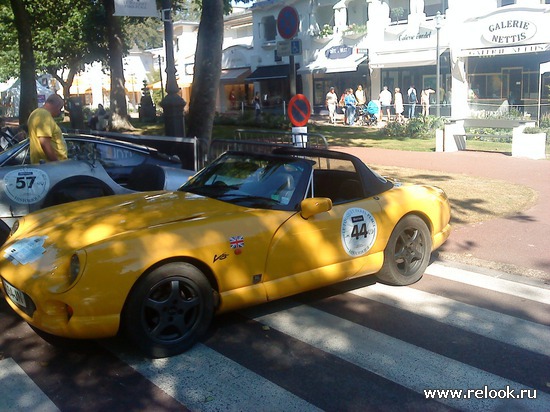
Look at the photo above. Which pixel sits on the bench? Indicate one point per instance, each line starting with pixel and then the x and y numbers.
pixel 455 136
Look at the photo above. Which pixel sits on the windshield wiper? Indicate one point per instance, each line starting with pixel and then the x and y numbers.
pixel 238 197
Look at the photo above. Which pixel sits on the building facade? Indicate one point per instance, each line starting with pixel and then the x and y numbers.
pixel 489 52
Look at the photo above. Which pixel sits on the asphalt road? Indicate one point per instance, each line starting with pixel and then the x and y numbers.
pixel 356 346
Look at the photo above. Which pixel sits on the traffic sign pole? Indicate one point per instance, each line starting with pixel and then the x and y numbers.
pixel 288 22
pixel 292 75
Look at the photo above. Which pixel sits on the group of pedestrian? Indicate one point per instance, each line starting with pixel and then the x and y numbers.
pixel 398 102
pixel 349 100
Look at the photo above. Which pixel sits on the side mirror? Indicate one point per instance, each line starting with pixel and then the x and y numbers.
pixel 315 205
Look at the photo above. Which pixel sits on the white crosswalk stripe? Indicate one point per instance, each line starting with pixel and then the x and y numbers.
pixel 493 283
pixel 403 363
pixel 504 328
pixel 18 392
pixel 204 379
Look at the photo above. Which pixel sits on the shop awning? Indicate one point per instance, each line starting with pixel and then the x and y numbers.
pixel 234 75
pixel 411 58
pixel 280 71
pixel 324 65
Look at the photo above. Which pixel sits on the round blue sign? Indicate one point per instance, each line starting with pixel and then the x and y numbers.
pixel 288 22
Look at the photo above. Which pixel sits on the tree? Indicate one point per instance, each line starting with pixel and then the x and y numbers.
pixel 115 38
pixel 59 42
pixel 207 71
pixel 26 58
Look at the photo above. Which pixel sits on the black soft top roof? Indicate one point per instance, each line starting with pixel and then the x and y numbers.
pixel 372 182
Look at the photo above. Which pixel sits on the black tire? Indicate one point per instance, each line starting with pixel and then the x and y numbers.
pixel 168 310
pixel 4 232
pixel 407 253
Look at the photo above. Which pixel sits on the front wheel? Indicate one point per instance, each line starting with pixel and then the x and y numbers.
pixel 169 309
pixel 407 253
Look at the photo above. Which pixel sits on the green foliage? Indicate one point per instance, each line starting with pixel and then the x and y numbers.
pixel 533 130
pixel 416 128
pixel 356 29
pixel 394 129
pixel 326 31
pixel 545 121
pixel 248 119
pixel 9 54
pixel 144 33
pixel 396 13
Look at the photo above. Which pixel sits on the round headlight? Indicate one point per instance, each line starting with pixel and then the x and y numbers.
pixel 74 268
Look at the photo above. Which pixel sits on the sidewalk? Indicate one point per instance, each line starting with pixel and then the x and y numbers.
pixel 517 244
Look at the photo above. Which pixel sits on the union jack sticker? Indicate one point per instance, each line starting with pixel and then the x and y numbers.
pixel 236 242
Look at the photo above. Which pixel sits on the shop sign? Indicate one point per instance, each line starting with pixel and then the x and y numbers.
pixel 509 31
pixel 338 52
pixel 500 51
pixel 418 36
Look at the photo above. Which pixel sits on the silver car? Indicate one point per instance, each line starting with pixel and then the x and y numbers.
pixel 96 167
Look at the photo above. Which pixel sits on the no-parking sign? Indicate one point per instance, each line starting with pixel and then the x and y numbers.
pixel 299 110
pixel 288 22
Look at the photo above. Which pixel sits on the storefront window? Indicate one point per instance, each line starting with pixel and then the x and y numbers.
pixel 431 7
pixel 269 26
pixel 494 86
pixel 531 85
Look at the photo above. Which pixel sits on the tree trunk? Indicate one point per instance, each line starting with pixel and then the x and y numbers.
pixel 207 71
pixel 28 97
pixel 118 106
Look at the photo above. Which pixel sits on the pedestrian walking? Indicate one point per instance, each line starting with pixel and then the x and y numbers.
pixel 412 100
pixel 46 140
pixel 331 101
pixel 360 95
pixel 351 103
pixel 425 101
pixel 398 105
pixel 257 105
pixel 385 98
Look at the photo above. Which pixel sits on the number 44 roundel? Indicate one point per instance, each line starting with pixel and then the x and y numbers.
pixel 358 231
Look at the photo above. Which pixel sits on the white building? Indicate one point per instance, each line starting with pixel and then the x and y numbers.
pixel 489 51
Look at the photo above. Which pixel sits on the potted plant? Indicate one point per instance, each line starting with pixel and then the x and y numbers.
pixel 355 30
pixel 325 34
pixel 397 13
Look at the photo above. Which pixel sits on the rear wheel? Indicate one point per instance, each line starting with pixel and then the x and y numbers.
pixel 169 309
pixel 407 253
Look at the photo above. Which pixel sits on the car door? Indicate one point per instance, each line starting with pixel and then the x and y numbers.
pixel 324 249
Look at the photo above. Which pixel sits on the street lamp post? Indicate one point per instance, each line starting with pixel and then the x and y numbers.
pixel 173 103
pixel 160 74
pixel 437 19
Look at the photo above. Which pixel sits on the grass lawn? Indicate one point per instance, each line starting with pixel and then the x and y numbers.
pixel 349 136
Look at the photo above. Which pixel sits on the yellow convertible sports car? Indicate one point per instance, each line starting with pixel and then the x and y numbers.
pixel 247 229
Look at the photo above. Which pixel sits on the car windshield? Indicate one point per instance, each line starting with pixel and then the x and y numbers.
pixel 11 151
pixel 268 182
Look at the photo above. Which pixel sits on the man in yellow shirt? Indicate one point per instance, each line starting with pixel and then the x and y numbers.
pixel 46 140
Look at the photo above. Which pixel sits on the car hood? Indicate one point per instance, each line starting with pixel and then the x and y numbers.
pixel 86 222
